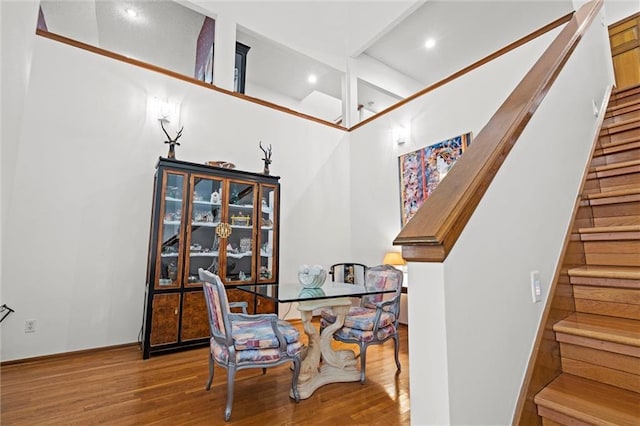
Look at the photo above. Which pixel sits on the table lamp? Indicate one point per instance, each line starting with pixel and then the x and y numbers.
pixel 394 258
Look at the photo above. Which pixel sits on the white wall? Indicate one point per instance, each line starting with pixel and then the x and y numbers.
pixel 479 298
pixel 519 227
pixel 616 10
pixel 77 228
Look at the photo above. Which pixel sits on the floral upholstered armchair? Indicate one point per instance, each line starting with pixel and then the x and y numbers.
pixel 240 341
pixel 376 319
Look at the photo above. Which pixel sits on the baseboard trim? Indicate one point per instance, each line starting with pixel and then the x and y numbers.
pixel 65 354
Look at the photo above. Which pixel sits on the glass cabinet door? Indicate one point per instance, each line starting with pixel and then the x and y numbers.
pixel 266 234
pixel 171 216
pixel 241 242
pixel 204 216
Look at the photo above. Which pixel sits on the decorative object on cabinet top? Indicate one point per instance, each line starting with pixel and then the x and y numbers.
pixel 267 158
pixel 223 164
pixel 172 142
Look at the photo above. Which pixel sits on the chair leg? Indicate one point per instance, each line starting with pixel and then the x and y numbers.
pixel 294 379
pixel 231 374
pixel 210 372
pixel 363 361
pixel 396 340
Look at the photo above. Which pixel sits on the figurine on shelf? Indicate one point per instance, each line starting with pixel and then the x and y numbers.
pixel 172 270
pixel 242 276
pixel 172 142
pixel 267 158
pixel 215 197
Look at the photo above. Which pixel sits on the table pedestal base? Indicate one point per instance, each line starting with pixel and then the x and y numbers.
pixel 337 366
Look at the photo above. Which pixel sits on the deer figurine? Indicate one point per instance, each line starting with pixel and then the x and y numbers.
pixel 267 158
pixel 172 142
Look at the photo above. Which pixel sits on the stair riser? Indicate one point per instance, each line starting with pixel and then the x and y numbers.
pixel 611 211
pixel 605 183
pixel 620 253
pixel 632 95
pixel 548 422
pixel 617 221
pixel 627 113
pixel 553 418
pixel 616 157
pixel 612 360
pixel 609 376
pixel 618 134
pixel 612 309
pixel 619 126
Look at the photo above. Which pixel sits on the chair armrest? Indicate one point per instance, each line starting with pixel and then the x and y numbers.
pixel 380 310
pixel 242 305
pixel 273 320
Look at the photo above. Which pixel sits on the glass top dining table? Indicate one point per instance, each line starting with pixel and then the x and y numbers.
pixel 321 363
pixel 295 292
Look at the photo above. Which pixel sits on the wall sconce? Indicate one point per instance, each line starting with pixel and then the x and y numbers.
pixel 400 135
pixel 165 111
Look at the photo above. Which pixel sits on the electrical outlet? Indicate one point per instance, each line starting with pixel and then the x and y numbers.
pixel 30 326
pixel 536 290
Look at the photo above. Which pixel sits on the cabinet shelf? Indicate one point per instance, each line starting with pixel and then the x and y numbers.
pixel 239 255
pixel 207 224
pixel 203 253
pixel 186 235
pixel 205 203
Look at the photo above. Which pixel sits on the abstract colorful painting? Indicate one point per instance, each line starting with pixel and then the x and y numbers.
pixel 421 171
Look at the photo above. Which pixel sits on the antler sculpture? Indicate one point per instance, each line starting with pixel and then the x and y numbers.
pixel 267 158
pixel 172 142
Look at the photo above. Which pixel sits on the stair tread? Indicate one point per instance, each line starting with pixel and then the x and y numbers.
pixel 609 229
pixel 610 329
pixel 617 91
pixel 590 401
pixel 621 123
pixel 614 166
pixel 621 272
pixel 622 106
pixel 617 147
pixel 615 193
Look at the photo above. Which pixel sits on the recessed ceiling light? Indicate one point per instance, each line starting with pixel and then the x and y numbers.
pixel 132 13
pixel 429 43
pixel 312 79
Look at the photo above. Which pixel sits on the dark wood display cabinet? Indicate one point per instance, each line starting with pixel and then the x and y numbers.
pixel 219 219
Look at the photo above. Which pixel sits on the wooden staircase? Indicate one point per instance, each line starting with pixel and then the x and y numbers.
pixel 600 341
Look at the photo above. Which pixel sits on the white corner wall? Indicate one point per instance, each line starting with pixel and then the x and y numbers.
pixel 519 226
pixel 479 300
pixel 77 229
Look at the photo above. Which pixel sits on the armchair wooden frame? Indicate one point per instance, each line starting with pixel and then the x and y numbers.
pixel 223 350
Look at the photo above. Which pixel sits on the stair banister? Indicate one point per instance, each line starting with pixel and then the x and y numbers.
pixel 430 235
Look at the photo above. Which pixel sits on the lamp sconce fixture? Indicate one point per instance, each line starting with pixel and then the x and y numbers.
pixel 395 259
pixel 400 135
pixel 166 111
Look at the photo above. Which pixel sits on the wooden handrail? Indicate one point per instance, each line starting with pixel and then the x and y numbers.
pixel 434 229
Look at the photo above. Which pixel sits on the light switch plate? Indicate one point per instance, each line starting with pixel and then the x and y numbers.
pixel 536 289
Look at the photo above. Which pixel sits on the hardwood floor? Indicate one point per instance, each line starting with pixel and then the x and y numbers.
pixel 116 386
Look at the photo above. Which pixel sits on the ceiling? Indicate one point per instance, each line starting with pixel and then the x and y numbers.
pixel 383 41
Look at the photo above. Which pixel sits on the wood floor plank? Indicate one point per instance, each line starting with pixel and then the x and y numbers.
pixel 117 387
